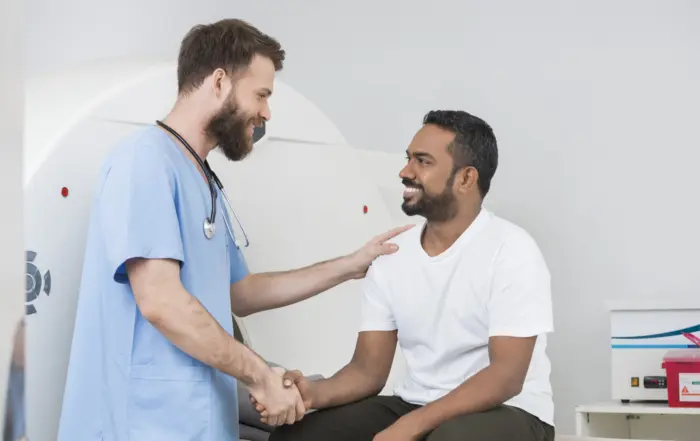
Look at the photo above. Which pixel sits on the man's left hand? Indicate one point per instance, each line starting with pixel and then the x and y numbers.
pixel 361 259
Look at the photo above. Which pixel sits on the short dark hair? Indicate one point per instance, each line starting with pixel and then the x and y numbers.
pixel 474 144
pixel 229 44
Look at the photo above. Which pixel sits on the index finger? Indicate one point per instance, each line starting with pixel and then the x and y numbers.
pixel 392 233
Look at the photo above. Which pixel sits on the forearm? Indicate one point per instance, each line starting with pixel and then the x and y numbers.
pixel 188 325
pixel 350 384
pixel 487 389
pixel 272 290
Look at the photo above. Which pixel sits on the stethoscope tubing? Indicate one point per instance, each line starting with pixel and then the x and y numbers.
pixel 205 167
pixel 212 178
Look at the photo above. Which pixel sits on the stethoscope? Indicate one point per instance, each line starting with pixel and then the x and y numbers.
pixel 209 223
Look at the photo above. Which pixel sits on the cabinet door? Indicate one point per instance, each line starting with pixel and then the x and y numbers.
pixel 665 427
pixel 603 425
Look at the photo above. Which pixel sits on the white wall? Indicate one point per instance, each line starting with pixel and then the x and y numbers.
pixel 11 260
pixel 594 104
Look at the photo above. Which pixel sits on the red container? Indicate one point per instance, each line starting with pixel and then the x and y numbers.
pixel 683 377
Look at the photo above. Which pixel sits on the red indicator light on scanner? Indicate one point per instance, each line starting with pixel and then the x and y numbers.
pixel 364 209
pixel 64 192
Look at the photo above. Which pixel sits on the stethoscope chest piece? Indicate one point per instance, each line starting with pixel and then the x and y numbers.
pixel 209 229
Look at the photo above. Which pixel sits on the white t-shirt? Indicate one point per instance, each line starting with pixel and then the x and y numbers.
pixel 493 281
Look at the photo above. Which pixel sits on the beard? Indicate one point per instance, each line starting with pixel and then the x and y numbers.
pixel 440 207
pixel 228 128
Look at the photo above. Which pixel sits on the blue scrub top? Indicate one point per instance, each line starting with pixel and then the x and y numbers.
pixel 126 381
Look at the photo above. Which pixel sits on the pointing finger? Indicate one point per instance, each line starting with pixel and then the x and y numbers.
pixel 393 233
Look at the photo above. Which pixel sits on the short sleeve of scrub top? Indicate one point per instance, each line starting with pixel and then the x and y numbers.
pixel 141 220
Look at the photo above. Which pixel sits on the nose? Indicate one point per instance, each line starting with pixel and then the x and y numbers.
pixel 265 112
pixel 407 173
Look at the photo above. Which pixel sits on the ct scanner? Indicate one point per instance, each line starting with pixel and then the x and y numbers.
pixel 304 195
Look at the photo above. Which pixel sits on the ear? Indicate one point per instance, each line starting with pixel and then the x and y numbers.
pixel 467 179
pixel 221 82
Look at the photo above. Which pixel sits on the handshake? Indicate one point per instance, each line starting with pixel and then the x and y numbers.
pixel 283 399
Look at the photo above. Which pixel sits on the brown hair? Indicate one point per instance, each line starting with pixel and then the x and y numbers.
pixel 229 44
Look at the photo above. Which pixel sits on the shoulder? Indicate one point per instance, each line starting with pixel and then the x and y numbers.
pixel 396 263
pixel 145 153
pixel 514 244
pixel 407 243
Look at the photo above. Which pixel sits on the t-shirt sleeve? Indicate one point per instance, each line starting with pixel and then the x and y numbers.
pixel 520 304
pixel 238 268
pixel 377 312
pixel 137 210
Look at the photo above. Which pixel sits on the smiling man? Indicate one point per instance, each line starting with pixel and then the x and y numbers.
pixel 467 297
pixel 153 356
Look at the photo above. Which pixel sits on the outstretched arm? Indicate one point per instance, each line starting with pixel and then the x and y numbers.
pixel 364 376
pixel 367 372
pixel 181 318
pixel 264 291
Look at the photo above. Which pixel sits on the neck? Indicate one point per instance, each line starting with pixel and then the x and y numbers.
pixel 439 236
pixel 186 119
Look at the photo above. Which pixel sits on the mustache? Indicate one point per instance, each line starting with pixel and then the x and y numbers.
pixel 412 184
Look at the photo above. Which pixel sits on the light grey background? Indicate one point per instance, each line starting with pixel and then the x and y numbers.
pixel 11 255
pixel 595 105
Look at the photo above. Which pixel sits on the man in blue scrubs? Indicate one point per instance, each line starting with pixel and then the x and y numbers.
pixel 153 355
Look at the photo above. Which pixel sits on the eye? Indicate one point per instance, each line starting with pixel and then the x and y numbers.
pixel 421 160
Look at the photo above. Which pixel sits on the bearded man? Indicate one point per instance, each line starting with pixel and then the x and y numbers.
pixel 467 298
pixel 153 354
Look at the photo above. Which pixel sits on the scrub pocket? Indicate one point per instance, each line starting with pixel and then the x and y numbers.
pixel 169 403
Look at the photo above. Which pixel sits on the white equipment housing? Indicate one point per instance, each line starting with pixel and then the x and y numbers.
pixel 300 196
pixel 641 333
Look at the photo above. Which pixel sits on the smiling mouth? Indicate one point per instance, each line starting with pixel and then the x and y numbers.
pixel 409 192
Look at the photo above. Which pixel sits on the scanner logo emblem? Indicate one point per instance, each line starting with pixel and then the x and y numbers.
pixel 36 282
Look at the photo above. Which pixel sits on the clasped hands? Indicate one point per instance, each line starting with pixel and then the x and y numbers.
pixel 283 400
pixel 298 387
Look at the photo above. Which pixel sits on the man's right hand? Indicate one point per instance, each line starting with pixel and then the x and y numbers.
pixel 283 405
pixel 291 380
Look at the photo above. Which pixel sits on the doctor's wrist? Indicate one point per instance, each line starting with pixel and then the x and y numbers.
pixel 249 368
pixel 351 267
pixel 264 377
